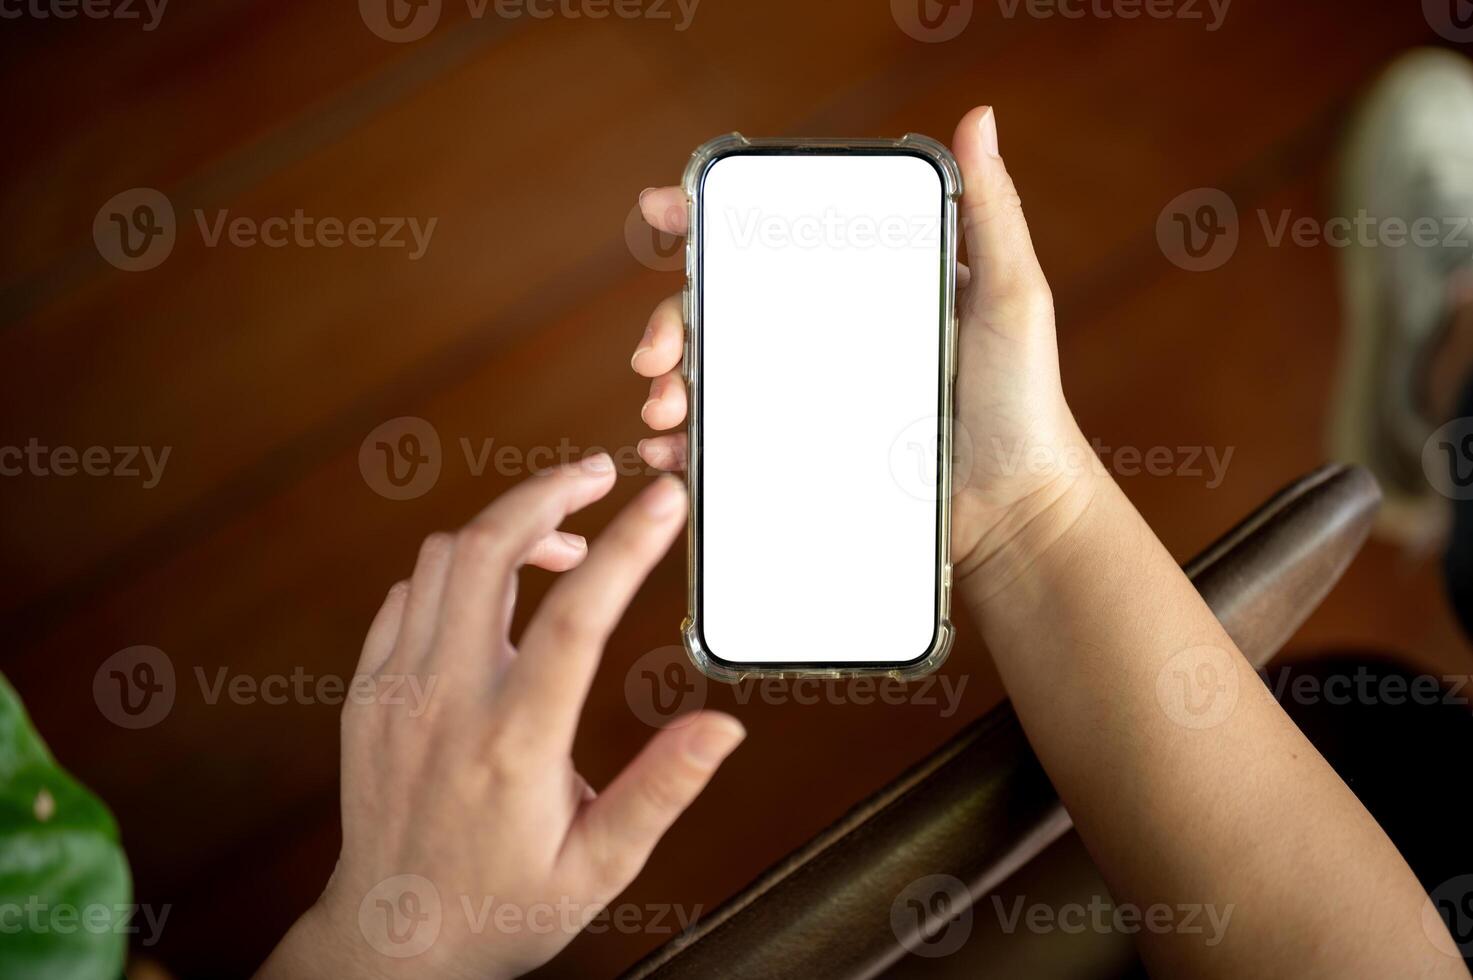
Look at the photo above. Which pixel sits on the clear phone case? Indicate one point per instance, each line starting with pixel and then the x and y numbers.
pixel 701 160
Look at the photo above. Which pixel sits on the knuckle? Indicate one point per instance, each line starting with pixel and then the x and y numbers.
pixel 666 792
pixel 506 761
pixel 483 540
pixel 614 866
pixel 435 547
pixel 1019 296
pixel 566 628
pixel 1035 299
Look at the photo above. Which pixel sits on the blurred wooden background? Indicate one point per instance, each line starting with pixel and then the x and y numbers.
pixel 264 550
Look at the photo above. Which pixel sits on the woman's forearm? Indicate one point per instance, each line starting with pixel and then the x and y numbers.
pixel 1187 782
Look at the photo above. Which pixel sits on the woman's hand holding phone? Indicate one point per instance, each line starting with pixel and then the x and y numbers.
pixel 1023 469
pixel 1098 636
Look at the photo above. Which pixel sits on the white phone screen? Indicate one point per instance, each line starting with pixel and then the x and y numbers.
pixel 821 358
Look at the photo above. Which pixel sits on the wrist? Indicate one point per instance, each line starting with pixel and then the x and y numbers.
pixel 317 947
pixel 1043 520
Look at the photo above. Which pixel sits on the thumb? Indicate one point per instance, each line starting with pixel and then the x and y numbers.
pixel 1008 290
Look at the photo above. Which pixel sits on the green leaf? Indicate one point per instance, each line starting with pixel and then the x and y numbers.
pixel 65 891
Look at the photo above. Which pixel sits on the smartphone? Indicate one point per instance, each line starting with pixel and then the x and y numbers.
pixel 820 360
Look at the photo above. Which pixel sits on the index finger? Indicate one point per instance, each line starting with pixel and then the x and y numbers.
pixel 545 688
pixel 664 209
pixel 489 550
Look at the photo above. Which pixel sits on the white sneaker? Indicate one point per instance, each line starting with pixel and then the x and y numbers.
pixel 1409 156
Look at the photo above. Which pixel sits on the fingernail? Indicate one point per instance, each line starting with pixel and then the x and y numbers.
pixel 644 410
pixel 642 349
pixel 713 741
pixel 598 463
pixel 575 541
pixel 988 126
pixel 663 498
pixel 647 191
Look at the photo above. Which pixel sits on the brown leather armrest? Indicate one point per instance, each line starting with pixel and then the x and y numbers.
pixel 980 807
